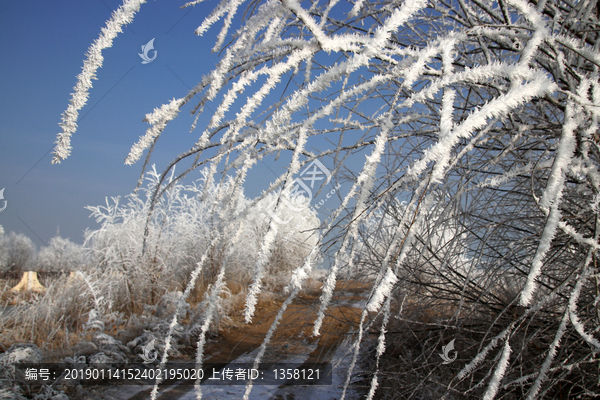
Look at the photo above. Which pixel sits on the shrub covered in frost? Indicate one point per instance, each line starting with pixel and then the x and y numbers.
pixel 61 255
pixel 493 103
pixel 17 252
pixel 145 257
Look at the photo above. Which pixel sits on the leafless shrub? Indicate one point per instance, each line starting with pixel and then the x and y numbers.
pixel 480 114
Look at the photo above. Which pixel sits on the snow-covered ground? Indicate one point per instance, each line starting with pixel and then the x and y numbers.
pixel 340 360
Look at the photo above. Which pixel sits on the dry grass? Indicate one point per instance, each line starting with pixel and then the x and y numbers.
pixel 50 319
pixel 56 318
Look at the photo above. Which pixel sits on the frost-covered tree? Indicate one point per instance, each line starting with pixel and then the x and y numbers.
pixel 61 255
pixel 493 103
pixel 18 252
pixel 146 258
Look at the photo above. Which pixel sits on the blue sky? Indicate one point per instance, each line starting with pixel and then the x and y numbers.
pixel 44 45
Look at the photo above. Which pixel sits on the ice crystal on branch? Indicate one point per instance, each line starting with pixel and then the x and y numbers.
pixel 123 16
pixel 464 148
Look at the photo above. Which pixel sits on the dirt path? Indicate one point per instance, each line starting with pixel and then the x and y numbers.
pixel 292 342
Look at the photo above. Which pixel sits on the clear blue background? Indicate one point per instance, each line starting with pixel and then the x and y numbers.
pixel 43 46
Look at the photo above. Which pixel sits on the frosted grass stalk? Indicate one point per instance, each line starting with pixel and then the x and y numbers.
pixel 355 354
pixel 497 107
pixel 269 238
pixel 482 354
pixel 263 258
pixel 208 317
pixel 550 202
pixel 252 103
pixel 535 388
pixel 365 180
pixel 159 120
pixel 381 345
pixel 581 49
pixel 358 5
pixel 478 74
pixel 498 373
pixel 190 286
pixel 540 31
pixel 122 16
pixel 573 309
pixel 310 23
pixel 383 291
pixel 302 272
pixel 268 337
